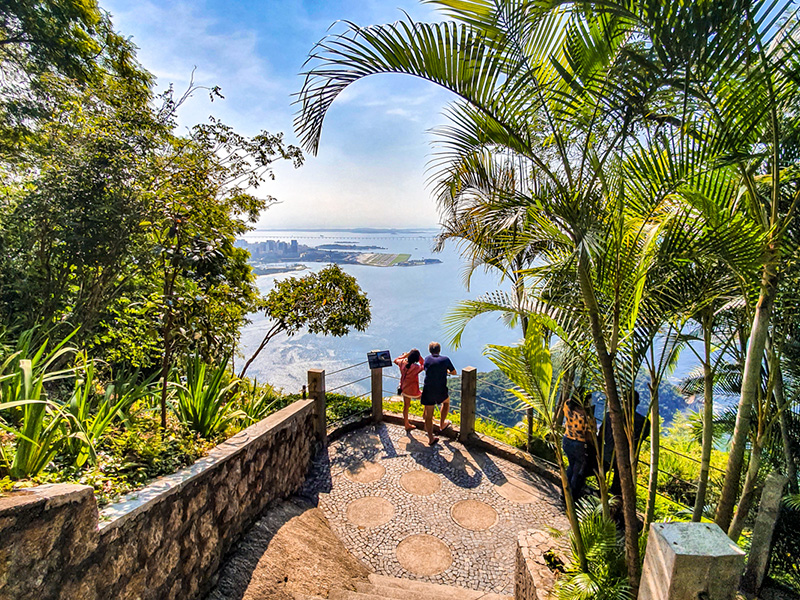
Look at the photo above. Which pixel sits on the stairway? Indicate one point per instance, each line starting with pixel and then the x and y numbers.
pixel 381 587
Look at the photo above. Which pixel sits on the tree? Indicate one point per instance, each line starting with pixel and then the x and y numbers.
pixel 203 201
pixel 44 44
pixel 329 302
pixel 597 98
pixel 560 104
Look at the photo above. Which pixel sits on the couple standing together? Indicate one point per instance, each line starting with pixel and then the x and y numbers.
pixel 434 393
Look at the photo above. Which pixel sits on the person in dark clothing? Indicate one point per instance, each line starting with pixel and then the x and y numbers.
pixel 576 442
pixel 435 392
pixel 641 428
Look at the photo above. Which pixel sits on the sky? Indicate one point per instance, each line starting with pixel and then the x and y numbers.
pixel 376 142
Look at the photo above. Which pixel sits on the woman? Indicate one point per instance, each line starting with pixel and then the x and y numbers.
pixel 576 442
pixel 411 366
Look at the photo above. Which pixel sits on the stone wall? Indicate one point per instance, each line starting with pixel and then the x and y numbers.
pixel 163 542
pixel 533 579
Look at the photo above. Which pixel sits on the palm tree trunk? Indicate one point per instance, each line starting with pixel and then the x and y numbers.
pixel 617 428
pixel 751 382
pixel 708 418
pixel 783 420
pixel 748 490
pixel 572 516
pixel 655 454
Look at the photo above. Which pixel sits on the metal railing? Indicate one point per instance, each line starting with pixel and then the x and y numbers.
pixel 467 405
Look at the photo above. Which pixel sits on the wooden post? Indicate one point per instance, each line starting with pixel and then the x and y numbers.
pixel 530 428
pixel 377 395
pixel 316 389
pixel 469 383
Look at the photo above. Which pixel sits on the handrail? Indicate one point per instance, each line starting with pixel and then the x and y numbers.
pixel 501 405
pixel 501 424
pixel 494 385
pixel 338 387
pixel 710 466
pixel 346 368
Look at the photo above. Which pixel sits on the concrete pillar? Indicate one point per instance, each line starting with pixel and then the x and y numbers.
pixel 377 395
pixel 316 391
pixel 689 561
pixel 469 384
pixel 761 542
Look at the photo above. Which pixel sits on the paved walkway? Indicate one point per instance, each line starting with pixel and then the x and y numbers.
pixel 445 514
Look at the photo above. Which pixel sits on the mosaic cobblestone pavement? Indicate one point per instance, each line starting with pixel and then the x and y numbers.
pixel 472 504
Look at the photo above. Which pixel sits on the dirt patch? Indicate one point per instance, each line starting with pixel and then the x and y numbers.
pixel 290 550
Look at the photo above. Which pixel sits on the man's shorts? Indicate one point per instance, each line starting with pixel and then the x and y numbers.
pixel 432 400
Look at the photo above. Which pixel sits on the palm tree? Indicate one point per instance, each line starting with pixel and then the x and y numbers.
pixel 732 69
pixel 570 92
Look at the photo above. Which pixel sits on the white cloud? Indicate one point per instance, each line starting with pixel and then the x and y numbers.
pixel 374 146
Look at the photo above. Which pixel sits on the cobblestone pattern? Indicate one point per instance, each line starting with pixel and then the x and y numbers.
pixel 482 560
pixel 533 580
pixel 164 542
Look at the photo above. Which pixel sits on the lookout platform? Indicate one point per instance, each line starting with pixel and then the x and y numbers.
pixel 446 514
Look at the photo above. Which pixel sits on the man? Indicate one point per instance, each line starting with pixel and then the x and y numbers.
pixel 435 392
pixel 641 429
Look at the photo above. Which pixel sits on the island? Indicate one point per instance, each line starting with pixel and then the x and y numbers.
pixel 268 257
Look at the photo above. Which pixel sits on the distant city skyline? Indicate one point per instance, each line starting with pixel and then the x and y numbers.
pixel 371 168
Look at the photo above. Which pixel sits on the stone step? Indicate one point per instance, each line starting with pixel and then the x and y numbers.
pixel 350 595
pixel 430 590
pixel 391 592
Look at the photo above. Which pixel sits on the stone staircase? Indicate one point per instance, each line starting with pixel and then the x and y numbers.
pixel 381 587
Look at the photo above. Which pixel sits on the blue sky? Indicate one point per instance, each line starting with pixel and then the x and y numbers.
pixel 371 166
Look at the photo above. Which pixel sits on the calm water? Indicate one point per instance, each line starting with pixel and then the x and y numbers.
pixel 408 306
pixel 407 303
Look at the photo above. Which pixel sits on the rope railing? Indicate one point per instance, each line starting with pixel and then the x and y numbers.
pixel 691 458
pixel 501 424
pixel 501 405
pixel 675 477
pixel 346 368
pixel 494 385
pixel 338 387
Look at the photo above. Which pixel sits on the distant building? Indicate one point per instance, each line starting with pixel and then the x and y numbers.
pixel 271 245
pixel 294 248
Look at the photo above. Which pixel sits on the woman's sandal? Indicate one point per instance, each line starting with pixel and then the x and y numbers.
pixel 433 442
pixel 446 425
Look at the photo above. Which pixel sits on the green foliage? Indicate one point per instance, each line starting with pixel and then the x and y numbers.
pixel 256 401
pixel 39 435
pixel 340 406
pixel 606 577
pixel 129 457
pixel 329 302
pixel 202 402
pixel 94 408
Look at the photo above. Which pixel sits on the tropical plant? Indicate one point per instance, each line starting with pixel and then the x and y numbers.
pixel 529 368
pixel 39 435
pixel 605 578
pixel 202 402
pixel 93 410
pixel 257 402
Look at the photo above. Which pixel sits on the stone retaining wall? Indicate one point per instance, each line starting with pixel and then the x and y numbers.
pixel 533 580
pixel 165 541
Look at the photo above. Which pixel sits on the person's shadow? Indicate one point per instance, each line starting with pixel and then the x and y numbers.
pixel 458 469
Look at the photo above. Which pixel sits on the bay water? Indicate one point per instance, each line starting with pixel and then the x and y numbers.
pixel 408 306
